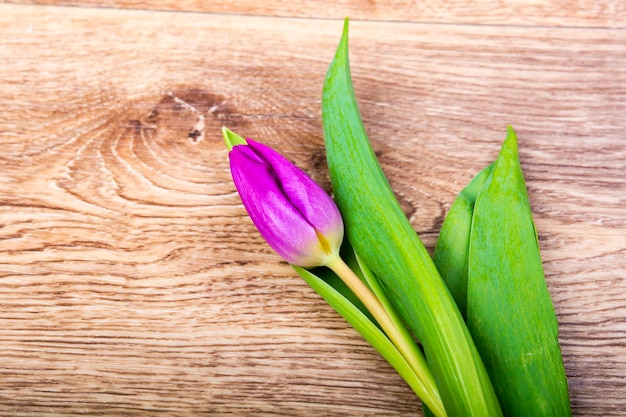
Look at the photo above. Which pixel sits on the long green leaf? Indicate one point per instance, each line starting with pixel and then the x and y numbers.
pixel 416 358
pixel 368 329
pixel 385 240
pixel 509 310
pixel 452 249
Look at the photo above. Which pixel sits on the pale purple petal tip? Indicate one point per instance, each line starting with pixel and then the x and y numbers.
pixel 304 193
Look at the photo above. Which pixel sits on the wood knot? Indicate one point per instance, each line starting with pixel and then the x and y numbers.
pixel 189 113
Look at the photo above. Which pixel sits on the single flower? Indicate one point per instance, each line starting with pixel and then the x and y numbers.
pixel 302 223
pixel 296 216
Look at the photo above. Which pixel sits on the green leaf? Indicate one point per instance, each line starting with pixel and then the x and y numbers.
pixel 405 345
pixel 385 240
pixel 452 250
pixel 509 310
pixel 414 357
pixel 366 328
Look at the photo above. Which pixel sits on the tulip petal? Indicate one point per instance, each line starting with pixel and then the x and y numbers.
pixel 279 222
pixel 304 193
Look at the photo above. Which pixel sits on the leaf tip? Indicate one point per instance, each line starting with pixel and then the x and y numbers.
pixel 231 138
pixel 509 130
pixel 343 43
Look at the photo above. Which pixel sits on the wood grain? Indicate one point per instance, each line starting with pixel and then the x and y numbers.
pixel 581 13
pixel 131 280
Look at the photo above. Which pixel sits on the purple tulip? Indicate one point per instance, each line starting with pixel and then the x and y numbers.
pixel 294 214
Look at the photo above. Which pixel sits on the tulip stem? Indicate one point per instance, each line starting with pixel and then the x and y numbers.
pixel 395 331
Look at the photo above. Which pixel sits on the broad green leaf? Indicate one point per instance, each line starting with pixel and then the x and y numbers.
pixel 452 250
pixel 388 245
pixel 509 310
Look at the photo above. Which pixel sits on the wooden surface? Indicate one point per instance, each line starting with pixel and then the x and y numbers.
pixel 585 13
pixel 132 281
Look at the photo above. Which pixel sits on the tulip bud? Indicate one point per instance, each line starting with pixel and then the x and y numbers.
pixel 296 216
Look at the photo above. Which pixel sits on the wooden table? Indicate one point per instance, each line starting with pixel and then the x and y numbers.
pixel 132 281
